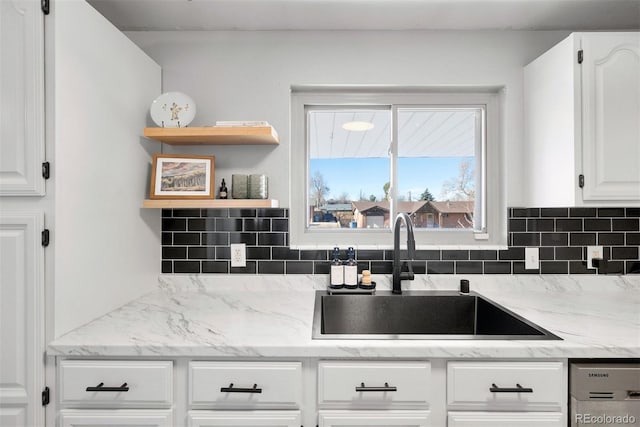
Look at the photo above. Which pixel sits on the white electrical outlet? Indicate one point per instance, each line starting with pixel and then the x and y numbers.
pixel 594 252
pixel 531 258
pixel 238 255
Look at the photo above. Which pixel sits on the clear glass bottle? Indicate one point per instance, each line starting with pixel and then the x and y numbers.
pixel 337 271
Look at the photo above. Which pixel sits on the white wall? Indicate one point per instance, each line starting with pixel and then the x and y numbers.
pixel 107 249
pixel 246 75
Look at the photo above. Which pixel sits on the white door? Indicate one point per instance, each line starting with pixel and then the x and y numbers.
pixel 116 417
pixel 611 116
pixel 506 419
pixel 244 418
pixel 22 94
pixel 373 418
pixel 21 318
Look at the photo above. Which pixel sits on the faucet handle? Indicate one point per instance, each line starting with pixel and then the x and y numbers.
pixel 407 275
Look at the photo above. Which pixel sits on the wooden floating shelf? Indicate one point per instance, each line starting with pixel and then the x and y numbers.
pixel 209 203
pixel 215 135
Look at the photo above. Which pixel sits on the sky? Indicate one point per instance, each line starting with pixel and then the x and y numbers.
pixel 370 174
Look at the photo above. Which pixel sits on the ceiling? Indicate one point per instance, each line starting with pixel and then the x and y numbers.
pixel 371 14
pixel 422 132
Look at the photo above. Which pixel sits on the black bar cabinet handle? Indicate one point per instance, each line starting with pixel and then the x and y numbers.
pixel 232 389
pixel 101 387
pixel 385 388
pixel 517 389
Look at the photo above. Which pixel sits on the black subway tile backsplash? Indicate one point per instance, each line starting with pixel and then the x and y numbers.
pixel 540 224
pixel 633 212
pixel 257 224
pixel 582 212
pixel 197 241
pixel 568 224
pixel 215 239
pixel 582 239
pixel 554 212
pixel 299 267
pixel 246 238
pixel 215 213
pixel 270 267
pixel 628 224
pixel 202 224
pixel 215 267
pixel 610 212
pixel 228 224
pixel 554 239
pixel 187 213
pixel 597 224
pixel 186 267
pixel 174 224
pixel 186 239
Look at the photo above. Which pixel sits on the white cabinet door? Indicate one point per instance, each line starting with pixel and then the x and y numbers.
pixel 115 417
pixel 505 419
pixel 244 418
pixel 374 384
pixel 22 94
pixel 21 318
pixel 245 385
pixel 373 418
pixel 611 116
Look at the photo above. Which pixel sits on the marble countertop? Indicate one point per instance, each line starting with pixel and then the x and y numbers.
pixel 271 316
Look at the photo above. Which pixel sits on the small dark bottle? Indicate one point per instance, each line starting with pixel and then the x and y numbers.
pixel 223 190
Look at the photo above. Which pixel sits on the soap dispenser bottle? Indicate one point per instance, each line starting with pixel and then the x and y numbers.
pixel 337 271
pixel 351 270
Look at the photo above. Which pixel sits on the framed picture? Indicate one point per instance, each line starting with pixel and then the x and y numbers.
pixel 178 176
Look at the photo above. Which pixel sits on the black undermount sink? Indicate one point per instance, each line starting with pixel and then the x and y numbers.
pixel 419 315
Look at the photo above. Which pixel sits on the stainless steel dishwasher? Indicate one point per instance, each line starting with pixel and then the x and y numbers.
pixel 605 394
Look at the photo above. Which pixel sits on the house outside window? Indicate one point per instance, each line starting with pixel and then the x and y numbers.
pixel 361 156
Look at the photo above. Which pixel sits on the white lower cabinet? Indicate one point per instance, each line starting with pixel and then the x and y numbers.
pixel 373 418
pixel 244 418
pixel 505 419
pixel 115 417
pixel 506 394
pixel 377 384
pixel 311 392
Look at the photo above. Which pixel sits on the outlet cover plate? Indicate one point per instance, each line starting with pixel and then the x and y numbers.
pixel 594 252
pixel 238 255
pixel 531 258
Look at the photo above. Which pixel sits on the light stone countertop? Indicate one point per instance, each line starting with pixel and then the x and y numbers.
pixel 271 316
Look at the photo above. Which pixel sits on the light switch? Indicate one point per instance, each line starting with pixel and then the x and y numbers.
pixel 531 258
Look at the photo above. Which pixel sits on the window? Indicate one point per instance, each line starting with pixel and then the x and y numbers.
pixel 358 158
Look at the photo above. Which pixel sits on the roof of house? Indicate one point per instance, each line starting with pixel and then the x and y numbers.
pixel 411 207
pixel 407 207
pixel 453 206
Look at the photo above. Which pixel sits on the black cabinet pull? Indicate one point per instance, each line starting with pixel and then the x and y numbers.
pixel 385 388
pixel 232 389
pixel 517 389
pixel 101 387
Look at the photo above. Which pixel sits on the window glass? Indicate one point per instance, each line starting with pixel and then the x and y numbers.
pixel 437 165
pixel 348 168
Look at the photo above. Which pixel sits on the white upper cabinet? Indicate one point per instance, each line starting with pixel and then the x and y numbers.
pixel 22 94
pixel 582 122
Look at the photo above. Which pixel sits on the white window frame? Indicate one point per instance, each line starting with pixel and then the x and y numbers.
pixel 492 207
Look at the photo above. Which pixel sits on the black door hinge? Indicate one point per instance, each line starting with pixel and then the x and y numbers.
pixel 44 4
pixel 46 170
pixel 45 237
pixel 581 181
pixel 580 56
pixel 45 396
